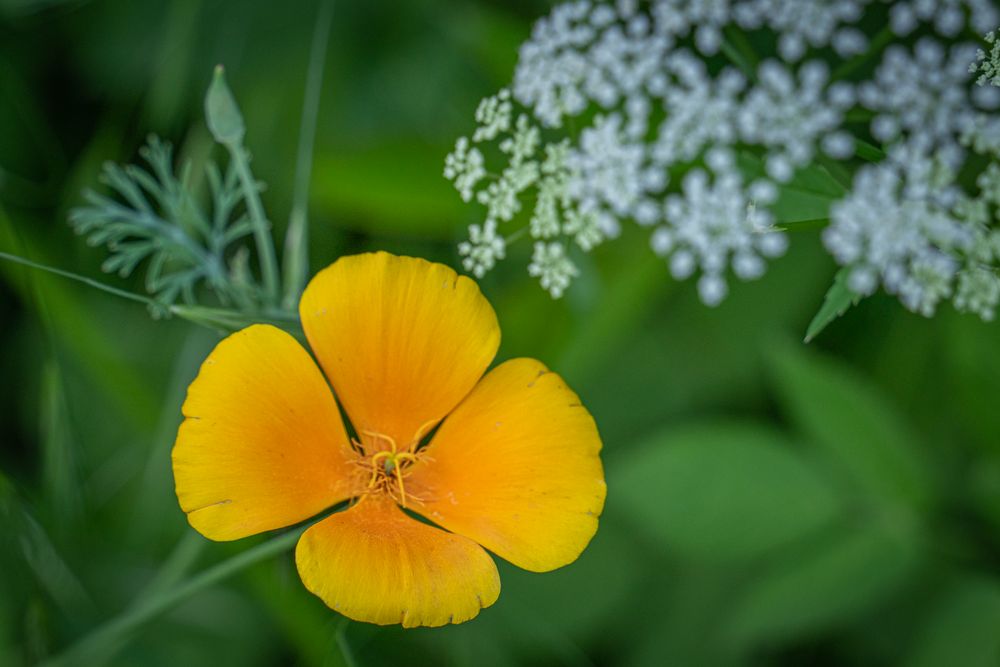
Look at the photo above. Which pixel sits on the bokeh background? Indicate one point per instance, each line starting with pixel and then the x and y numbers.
pixel 770 502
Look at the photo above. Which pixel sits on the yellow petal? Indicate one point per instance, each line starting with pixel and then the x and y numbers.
pixel 516 468
pixel 402 340
pixel 373 563
pixel 263 445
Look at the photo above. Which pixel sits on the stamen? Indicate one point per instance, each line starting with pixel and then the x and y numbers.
pixel 381 436
pixel 387 469
pixel 421 432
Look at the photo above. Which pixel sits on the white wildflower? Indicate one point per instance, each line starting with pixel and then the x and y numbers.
pixel 802 24
pixel 715 224
pixel 923 93
pixel 484 247
pixel 465 167
pixel 789 117
pixel 501 196
pixel 699 111
pixel 616 68
pixel 493 116
pixel 946 16
pixel 544 222
pixel 523 143
pixel 978 292
pixel 584 227
pixel 552 267
pixel 607 168
pixel 987 65
pixel 893 229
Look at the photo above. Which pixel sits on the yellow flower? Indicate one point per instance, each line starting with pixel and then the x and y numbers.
pixel 404 344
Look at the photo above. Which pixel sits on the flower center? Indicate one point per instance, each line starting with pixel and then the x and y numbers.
pixel 388 468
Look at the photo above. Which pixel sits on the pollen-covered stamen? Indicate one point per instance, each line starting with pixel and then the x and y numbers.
pixel 388 468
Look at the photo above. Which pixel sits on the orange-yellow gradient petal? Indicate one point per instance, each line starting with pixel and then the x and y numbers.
pixel 262 445
pixel 516 468
pixel 401 339
pixel 374 563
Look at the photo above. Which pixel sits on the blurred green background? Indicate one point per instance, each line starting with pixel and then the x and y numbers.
pixel 770 502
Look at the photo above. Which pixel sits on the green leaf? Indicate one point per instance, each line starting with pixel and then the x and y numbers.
pixel 227 321
pixel 723 492
pixel 29 541
pixel 852 426
pixel 838 299
pixel 828 583
pixel 392 189
pixel 59 463
pixel 963 627
pixel 222 114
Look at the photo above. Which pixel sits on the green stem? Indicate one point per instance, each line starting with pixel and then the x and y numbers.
pixel 90 282
pixel 261 227
pixel 297 237
pixel 101 644
pixel 178 563
pixel 217 319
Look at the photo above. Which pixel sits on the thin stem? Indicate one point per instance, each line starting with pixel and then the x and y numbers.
pixel 106 639
pixel 261 227
pixel 90 282
pixel 178 563
pixel 297 236
pixel 211 318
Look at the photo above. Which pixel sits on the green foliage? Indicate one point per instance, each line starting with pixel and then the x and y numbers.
pixel 963 621
pixel 716 492
pixel 821 587
pixel 777 508
pixel 154 215
pixel 852 427
pixel 838 299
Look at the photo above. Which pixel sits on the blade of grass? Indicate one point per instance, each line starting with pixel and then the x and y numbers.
pixel 59 462
pixel 105 641
pixel 296 258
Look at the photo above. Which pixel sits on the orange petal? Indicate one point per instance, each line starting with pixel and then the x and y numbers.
pixel 373 563
pixel 402 340
pixel 516 468
pixel 263 445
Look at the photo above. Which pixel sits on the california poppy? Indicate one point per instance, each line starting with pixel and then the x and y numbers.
pixel 513 467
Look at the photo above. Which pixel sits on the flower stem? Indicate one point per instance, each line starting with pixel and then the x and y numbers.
pixel 104 641
pixel 296 259
pixel 261 227
pixel 90 282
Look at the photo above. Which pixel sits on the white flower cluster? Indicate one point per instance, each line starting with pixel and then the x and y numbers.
pixel 908 227
pixel 987 65
pixel 711 224
pixel 947 16
pixel 924 93
pixel 622 112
